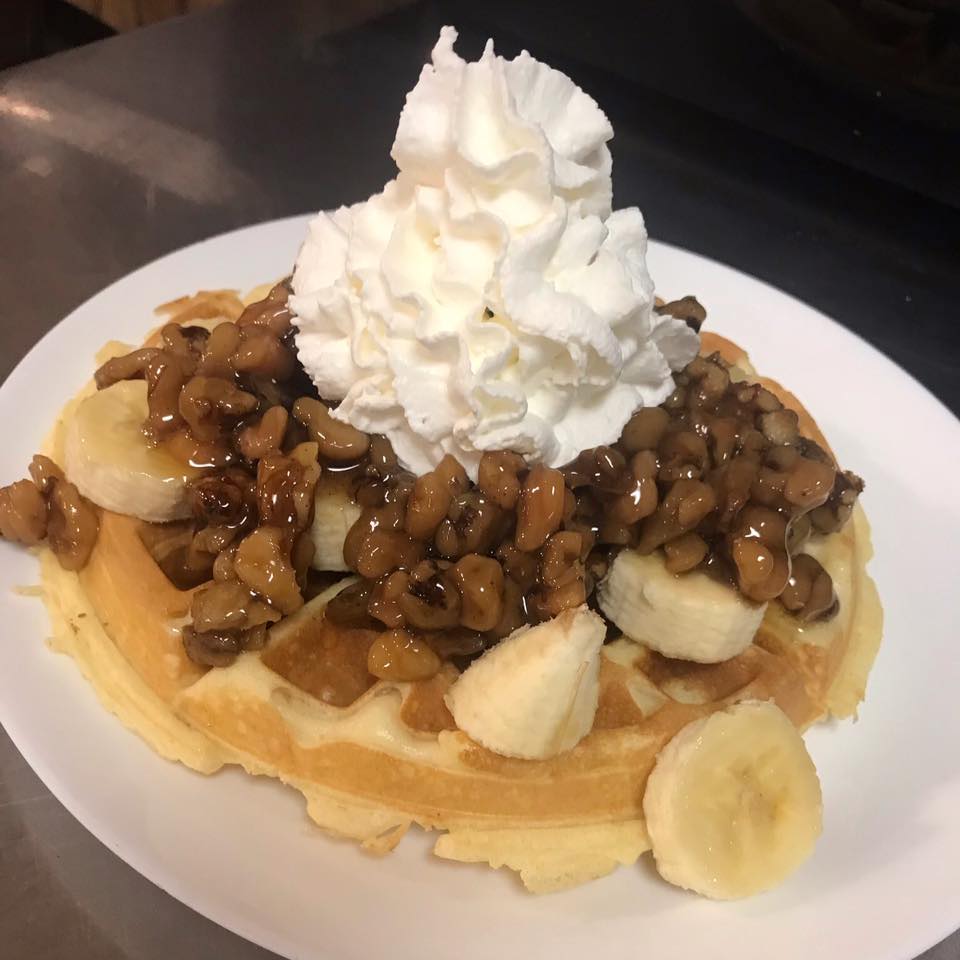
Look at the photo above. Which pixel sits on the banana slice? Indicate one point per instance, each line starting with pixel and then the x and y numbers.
pixel 335 512
pixel 109 460
pixel 733 804
pixel 535 694
pixel 690 617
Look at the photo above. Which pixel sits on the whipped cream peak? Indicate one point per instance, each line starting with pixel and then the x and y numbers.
pixel 488 298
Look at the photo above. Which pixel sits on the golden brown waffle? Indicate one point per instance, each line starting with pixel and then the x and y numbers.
pixel 394 756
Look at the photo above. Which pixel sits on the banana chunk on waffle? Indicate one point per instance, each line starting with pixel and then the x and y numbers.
pixel 374 757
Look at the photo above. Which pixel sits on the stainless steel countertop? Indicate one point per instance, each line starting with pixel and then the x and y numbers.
pixel 113 154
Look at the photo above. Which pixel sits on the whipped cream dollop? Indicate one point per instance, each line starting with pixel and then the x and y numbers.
pixel 488 298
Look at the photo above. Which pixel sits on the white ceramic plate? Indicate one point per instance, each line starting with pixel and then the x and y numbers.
pixel 884 883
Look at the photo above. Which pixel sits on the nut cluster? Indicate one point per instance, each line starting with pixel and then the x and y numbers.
pixel 233 399
pixel 49 508
pixel 718 478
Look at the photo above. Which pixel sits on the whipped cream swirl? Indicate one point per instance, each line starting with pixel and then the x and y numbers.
pixel 488 298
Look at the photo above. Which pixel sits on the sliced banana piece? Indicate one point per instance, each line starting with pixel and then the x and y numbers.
pixel 535 694
pixel 335 512
pixel 688 617
pixel 109 460
pixel 733 805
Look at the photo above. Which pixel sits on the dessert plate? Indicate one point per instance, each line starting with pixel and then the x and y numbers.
pixel 884 882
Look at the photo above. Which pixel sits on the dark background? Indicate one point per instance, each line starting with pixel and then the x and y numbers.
pixel 813 164
pixel 812 143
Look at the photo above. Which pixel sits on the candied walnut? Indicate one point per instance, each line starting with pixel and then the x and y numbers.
pixel 382 462
pixel 223 570
pixel 186 342
pixel 208 543
pixel 540 509
pixel 427 506
pixel 754 561
pixel 832 515
pixel 498 477
pixel 513 613
pixel 688 309
pixel 640 500
pixel 780 426
pixel 601 467
pixel 449 469
pixel 384 550
pixel 265 436
pixel 384 603
pixel 768 488
pixel 225 499
pixel 687 503
pixel 782 457
pixel 677 400
pixel 219 648
pixel 474 524
pixel 432 599
pixel 72 526
pixel 262 562
pixel 221 345
pixel 549 602
pixel 758 547
pixel 23 513
pixel 685 552
pixel 286 487
pixel 809 592
pixel 338 441
pixel 229 606
pixel 260 352
pixel 166 374
pixel 709 378
pixel 809 483
pixel 733 484
pixel 480 582
pixel 561 558
pixel 131 366
pixel 400 656
pixel 376 545
pixel 212 649
pixel 613 533
pixel 224 509
pixel 49 508
pixel 44 472
pixel 521 567
pixel 683 456
pixel 766 401
pixel 645 429
pixel 813 451
pixel 271 313
pixel 723 434
pixel 206 403
pixel 372 518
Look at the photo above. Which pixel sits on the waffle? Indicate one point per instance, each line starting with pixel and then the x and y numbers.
pixel 394 757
